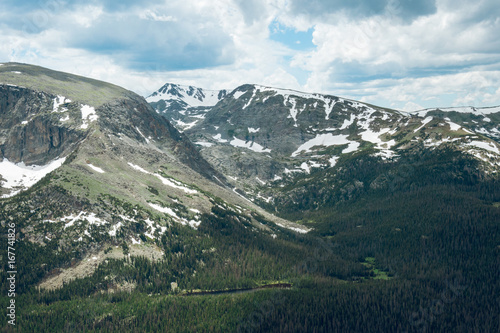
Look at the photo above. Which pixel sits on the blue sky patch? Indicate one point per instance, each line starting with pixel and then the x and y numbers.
pixel 296 40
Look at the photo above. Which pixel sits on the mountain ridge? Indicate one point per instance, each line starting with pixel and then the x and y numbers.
pixel 126 177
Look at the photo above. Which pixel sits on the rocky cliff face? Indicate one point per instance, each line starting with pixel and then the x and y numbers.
pixel 30 130
pixel 39 124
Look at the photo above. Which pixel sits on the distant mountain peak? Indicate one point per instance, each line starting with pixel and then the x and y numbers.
pixel 190 96
pixel 184 105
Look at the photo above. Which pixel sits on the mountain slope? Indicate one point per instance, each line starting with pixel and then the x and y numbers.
pixel 482 120
pixel 39 126
pixel 85 177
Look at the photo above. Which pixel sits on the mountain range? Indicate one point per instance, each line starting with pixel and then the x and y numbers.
pixel 252 209
pixel 262 137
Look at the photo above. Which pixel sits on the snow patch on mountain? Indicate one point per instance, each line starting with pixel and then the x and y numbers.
pixel 97 169
pixel 254 146
pixel 288 97
pixel 453 126
pixel 138 168
pixel 175 184
pixel 138 130
pixel 293 110
pixel 348 122
pixel 327 139
pixel 58 101
pixel 152 227
pixel 329 104
pixel 490 146
pixel 424 122
pixel 353 146
pixel 88 115
pixel 192 223
pixel 219 138
pixel 165 210
pixel 182 126
pixel 250 100
pixel 114 229
pixel 238 94
pixel 166 181
pixel 299 230
pixel 91 218
pixel 204 144
pixel 18 176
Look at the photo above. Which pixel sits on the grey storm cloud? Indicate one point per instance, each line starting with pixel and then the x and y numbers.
pixel 252 10
pixel 401 9
pixel 150 45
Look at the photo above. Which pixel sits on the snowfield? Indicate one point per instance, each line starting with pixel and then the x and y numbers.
pixel 88 115
pixel 166 181
pixel 19 176
pixel 325 140
pixel 254 146
pixel 97 169
pixel 58 101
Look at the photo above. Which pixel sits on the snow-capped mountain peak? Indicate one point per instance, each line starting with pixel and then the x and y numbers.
pixel 183 105
pixel 188 95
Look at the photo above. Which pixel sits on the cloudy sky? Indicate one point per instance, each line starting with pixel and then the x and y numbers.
pixel 404 54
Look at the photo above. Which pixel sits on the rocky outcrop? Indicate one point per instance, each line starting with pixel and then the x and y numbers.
pixel 29 131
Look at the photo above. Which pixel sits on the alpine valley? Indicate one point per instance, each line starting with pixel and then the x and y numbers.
pixel 256 209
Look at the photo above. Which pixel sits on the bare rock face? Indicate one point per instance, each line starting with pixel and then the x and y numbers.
pixel 30 131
